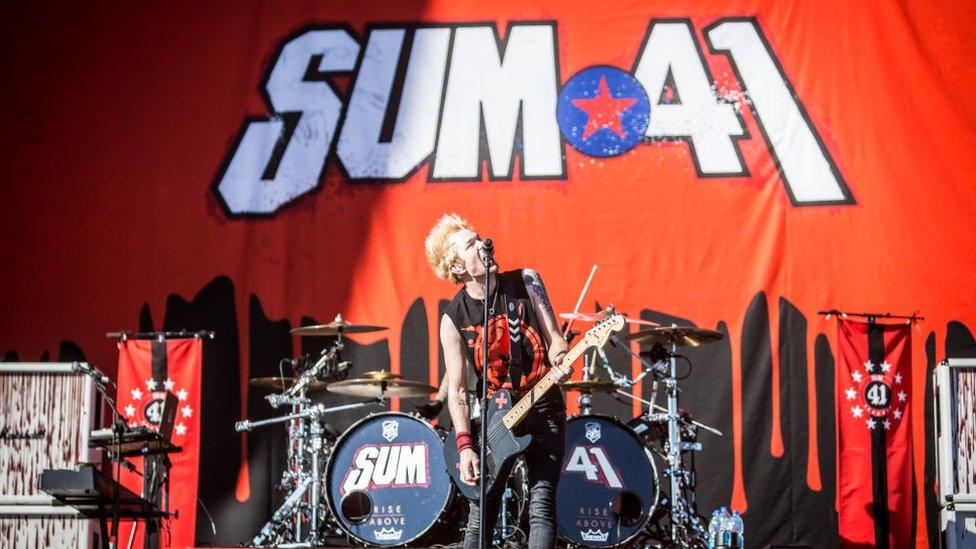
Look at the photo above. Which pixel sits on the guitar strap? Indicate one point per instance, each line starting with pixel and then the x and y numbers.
pixel 515 351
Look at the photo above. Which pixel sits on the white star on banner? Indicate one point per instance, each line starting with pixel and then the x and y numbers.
pixel 902 396
pixel 897 413
pixel 187 411
pixel 168 384
pixel 857 411
pixel 182 394
pixel 150 384
pixel 897 378
pixel 180 428
pixel 136 393
pixel 887 424
pixel 871 424
pixel 851 393
pixel 868 366
pixel 130 410
pixel 885 366
pixel 857 376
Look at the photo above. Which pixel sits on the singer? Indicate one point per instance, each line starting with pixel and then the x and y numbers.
pixel 524 343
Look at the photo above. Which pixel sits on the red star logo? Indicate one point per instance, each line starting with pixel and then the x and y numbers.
pixel 604 111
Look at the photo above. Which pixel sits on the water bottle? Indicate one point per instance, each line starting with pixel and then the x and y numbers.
pixel 736 528
pixel 717 527
pixel 713 527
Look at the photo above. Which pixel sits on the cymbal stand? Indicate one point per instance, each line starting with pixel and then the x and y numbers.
pixel 305 431
pixel 586 397
pixel 329 357
pixel 686 528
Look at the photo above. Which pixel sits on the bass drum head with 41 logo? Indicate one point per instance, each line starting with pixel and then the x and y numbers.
pixel 608 484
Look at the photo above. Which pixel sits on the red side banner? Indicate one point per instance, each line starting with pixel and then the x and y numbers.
pixel 147 370
pixel 874 475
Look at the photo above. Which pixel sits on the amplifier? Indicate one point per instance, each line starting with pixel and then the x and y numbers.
pixel 47 411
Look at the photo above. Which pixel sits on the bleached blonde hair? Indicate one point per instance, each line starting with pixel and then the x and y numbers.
pixel 440 256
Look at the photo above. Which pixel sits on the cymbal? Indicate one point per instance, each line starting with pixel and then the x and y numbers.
pixel 336 327
pixel 375 388
pixel 677 335
pixel 276 383
pixel 380 375
pixel 583 317
pixel 595 385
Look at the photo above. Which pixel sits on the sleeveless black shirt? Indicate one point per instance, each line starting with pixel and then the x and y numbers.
pixel 512 297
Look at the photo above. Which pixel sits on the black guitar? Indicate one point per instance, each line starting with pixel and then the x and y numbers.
pixel 502 417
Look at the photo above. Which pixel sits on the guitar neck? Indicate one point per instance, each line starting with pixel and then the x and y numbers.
pixel 518 412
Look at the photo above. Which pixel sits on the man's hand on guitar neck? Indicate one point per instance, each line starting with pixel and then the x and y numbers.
pixel 563 371
pixel 469 465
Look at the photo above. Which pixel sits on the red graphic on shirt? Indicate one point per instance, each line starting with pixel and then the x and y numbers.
pixel 533 362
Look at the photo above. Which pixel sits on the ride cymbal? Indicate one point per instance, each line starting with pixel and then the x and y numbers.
pixel 596 385
pixel 675 335
pixel 336 327
pixel 375 388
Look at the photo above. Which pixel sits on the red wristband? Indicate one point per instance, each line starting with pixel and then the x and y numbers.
pixel 464 440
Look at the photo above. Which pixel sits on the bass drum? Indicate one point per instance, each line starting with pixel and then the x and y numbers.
pixel 387 482
pixel 608 488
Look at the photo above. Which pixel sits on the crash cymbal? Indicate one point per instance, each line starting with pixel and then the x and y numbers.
pixel 595 385
pixel 380 375
pixel 602 315
pixel 374 388
pixel 678 335
pixel 336 327
pixel 276 383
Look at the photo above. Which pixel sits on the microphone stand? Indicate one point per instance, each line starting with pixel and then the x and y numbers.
pixel 483 542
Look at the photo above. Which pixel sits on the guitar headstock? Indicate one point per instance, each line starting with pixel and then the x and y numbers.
pixel 598 335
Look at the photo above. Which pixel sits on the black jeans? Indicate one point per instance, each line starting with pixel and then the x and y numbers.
pixel 544 461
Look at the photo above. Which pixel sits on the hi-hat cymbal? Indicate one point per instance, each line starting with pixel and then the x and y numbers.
pixel 676 335
pixel 583 317
pixel 375 388
pixel 595 385
pixel 336 327
pixel 276 383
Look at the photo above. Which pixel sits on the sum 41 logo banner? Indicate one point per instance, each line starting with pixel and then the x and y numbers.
pixel 148 369
pixel 874 466
pixel 456 97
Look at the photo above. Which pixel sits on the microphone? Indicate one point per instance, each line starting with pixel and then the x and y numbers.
pixel 91 371
pixel 488 251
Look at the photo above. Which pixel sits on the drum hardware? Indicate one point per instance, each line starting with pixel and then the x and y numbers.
pixel 687 529
pixel 679 434
pixel 328 365
pixel 305 494
pixel 281 383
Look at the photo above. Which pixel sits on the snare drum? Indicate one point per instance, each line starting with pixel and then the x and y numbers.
pixel 608 487
pixel 387 482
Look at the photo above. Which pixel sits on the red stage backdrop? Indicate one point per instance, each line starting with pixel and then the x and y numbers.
pixel 736 165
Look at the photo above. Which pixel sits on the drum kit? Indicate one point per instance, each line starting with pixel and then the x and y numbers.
pixel 383 481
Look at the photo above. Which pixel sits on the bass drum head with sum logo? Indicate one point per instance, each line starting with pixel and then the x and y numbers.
pixel 386 479
pixel 608 485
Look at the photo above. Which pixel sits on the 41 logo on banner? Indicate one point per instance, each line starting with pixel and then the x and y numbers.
pixel 451 97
